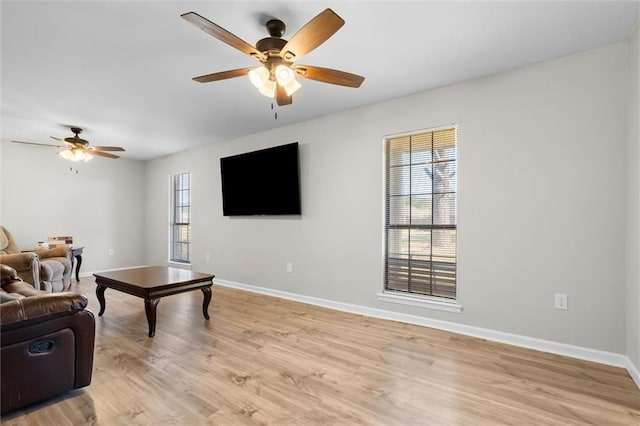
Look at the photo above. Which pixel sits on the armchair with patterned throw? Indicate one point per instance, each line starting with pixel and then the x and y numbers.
pixel 47 342
pixel 47 269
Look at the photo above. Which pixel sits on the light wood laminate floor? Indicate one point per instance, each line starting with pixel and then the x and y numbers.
pixel 263 360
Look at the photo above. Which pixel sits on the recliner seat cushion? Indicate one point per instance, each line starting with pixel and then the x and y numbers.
pixel 60 273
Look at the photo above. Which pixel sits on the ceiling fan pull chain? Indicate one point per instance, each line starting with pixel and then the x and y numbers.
pixel 275 114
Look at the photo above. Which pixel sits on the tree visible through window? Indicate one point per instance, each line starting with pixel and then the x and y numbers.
pixel 180 218
pixel 421 224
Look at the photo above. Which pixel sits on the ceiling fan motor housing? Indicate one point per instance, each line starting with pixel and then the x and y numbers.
pixel 271 47
pixel 76 140
pixel 271 44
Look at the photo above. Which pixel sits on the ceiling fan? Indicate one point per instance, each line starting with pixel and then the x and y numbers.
pixel 77 149
pixel 276 76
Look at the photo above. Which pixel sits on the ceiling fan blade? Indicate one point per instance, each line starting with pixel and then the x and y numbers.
pixel 222 75
pixel 327 75
pixel 281 96
pixel 106 148
pixel 312 35
pixel 221 34
pixel 61 140
pixel 103 154
pixel 41 144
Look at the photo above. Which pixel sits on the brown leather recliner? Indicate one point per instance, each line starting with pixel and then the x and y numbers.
pixel 47 342
pixel 46 269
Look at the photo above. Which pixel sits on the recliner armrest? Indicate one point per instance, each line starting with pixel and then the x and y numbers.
pixel 36 309
pixel 20 289
pixel 27 265
pixel 20 261
pixel 54 252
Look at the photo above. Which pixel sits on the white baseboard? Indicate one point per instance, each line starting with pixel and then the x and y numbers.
pixel 587 354
pixel 633 371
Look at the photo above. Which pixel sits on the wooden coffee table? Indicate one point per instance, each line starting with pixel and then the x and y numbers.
pixel 151 283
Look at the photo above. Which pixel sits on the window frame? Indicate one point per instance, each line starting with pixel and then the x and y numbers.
pixel 177 191
pixel 407 297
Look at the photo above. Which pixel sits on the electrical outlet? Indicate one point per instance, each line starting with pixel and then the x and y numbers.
pixel 111 252
pixel 289 267
pixel 208 256
pixel 561 301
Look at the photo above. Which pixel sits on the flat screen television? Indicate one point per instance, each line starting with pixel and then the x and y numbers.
pixel 264 182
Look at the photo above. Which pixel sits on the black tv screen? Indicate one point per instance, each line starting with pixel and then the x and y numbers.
pixel 264 182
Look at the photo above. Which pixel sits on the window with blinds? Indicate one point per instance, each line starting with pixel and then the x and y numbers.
pixel 180 218
pixel 421 225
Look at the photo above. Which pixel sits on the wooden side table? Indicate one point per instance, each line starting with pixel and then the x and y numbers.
pixel 76 256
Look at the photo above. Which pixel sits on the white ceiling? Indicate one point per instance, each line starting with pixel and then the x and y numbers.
pixel 122 70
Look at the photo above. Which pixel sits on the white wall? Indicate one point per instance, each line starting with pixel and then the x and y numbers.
pixel 101 206
pixel 541 202
pixel 1 180
pixel 633 203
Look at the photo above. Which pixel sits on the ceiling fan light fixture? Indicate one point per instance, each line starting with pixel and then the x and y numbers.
pixel 67 155
pixel 258 76
pixel 74 154
pixel 286 78
pixel 284 75
pixel 291 88
pixel 268 88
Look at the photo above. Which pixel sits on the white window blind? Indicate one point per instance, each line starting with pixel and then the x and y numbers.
pixel 180 218
pixel 421 224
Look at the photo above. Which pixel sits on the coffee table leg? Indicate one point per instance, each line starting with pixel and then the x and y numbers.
pixel 150 309
pixel 205 303
pixel 100 293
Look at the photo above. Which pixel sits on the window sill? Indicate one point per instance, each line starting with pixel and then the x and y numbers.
pixel 179 264
pixel 420 301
